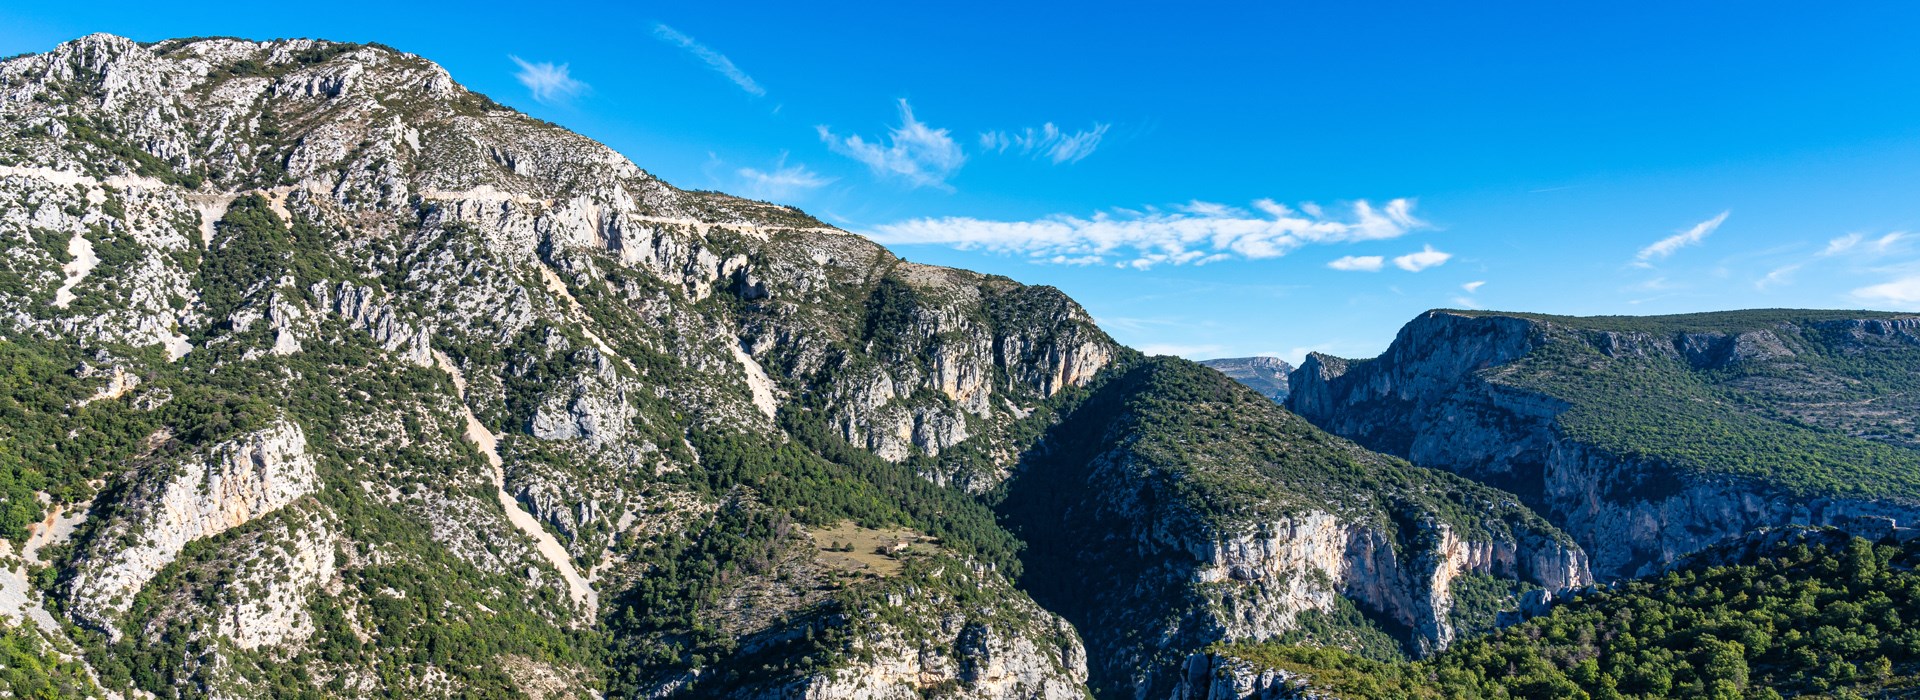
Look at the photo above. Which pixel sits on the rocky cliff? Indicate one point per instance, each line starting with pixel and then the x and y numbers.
pixel 376 387
pixel 1156 538
pixel 1222 677
pixel 1646 439
pixel 177 503
pixel 318 237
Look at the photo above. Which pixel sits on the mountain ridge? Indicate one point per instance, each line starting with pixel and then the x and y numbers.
pixel 685 390
pixel 1597 421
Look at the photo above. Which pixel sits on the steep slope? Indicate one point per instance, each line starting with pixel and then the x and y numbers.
pixel 1267 375
pixel 386 389
pixel 1792 612
pixel 1175 508
pixel 1647 438
pixel 359 384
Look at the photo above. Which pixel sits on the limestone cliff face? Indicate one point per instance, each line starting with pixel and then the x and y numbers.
pixel 314 230
pixel 1220 677
pixel 958 657
pixel 307 225
pixel 1256 580
pixel 933 358
pixel 1298 564
pixel 179 502
pixel 1442 396
pixel 1156 543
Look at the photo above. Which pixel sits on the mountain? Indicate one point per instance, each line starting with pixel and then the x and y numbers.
pixel 1648 438
pixel 1174 507
pixel 325 376
pixel 1267 375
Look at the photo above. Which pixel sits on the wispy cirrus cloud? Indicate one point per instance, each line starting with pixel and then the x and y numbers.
pixel 916 153
pixel 1048 142
pixel 1777 276
pixel 1667 246
pixel 549 83
pixel 780 182
pixel 1466 301
pixel 1903 293
pixel 1358 263
pixel 1855 252
pixel 1425 258
pixel 1857 243
pixel 1195 233
pixel 714 59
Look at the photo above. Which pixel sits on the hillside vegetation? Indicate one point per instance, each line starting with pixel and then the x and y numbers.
pixel 1801 399
pixel 1799 614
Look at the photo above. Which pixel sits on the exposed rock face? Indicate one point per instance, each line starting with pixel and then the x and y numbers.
pixel 945 355
pixel 1267 375
pixel 315 220
pixel 965 659
pixel 1442 396
pixel 1156 544
pixel 1299 564
pixel 1219 677
pixel 179 502
pixel 290 566
pixel 653 386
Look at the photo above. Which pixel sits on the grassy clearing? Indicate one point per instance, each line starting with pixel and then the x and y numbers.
pixel 854 549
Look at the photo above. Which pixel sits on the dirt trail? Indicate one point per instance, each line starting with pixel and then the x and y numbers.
pixel 544 541
pixel 76 270
pixel 17 598
pixel 559 288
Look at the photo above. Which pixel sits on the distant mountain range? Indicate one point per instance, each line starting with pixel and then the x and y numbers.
pixel 1267 375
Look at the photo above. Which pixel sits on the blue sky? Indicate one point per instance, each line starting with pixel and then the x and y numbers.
pixel 1264 178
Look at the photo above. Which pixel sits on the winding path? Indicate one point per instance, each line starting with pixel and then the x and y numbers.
pixel 549 547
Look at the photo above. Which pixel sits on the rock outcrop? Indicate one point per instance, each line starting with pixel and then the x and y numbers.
pixel 664 385
pixel 1458 392
pixel 959 657
pixel 1222 677
pixel 177 502
pixel 1156 543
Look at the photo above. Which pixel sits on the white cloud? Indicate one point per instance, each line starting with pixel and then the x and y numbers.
pixel 1466 302
pixel 921 155
pixel 1667 246
pixel 1358 263
pixel 1196 233
pixel 1842 244
pixel 1657 284
pixel 1778 275
pixel 1427 257
pixel 1855 242
pixel 1904 292
pixel 1472 287
pixel 780 182
pixel 1048 141
pixel 714 59
pixel 549 83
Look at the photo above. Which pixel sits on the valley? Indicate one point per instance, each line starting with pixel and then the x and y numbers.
pixel 338 379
